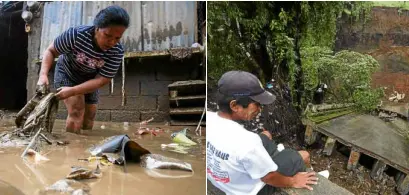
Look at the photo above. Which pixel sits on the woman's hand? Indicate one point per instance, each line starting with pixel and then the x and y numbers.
pixel 65 92
pixel 43 80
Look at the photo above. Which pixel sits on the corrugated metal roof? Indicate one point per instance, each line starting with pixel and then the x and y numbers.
pixel 58 17
pixel 168 24
pixel 164 24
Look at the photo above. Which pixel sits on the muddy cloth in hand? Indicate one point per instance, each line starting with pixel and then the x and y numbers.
pixel 289 162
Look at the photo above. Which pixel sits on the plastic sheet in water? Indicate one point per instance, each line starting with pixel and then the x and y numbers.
pixel 129 151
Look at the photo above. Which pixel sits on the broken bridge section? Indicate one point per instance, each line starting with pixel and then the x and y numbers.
pixel 369 135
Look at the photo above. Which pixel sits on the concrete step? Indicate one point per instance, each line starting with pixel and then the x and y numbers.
pixel 324 187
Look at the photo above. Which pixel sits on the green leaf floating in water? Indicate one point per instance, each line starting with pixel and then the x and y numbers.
pixel 182 139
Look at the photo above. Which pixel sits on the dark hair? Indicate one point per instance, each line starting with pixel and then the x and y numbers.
pixel 223 102
pixel 111 16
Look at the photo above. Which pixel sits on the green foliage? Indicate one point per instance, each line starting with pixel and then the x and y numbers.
pixel 260 37
pixel 347 74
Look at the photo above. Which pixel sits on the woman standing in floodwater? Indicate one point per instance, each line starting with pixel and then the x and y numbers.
pixel 90 57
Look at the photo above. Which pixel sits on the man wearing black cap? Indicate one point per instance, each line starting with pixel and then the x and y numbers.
pixel 242 162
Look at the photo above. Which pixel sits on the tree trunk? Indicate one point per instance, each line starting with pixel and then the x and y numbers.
pixel 299 82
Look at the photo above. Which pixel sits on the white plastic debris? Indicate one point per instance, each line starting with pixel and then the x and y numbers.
pixel 196 45
pixel 280 147
pixel 126 125
pixel 102 126
pixel 37 156
pixel 324 173
pixel 395 97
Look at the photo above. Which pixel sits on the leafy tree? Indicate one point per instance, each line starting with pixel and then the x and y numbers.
pixel 284 41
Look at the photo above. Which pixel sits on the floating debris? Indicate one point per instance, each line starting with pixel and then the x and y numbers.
pixel 63 143
pixel 79 173
pixel 182 138
pixel 156 161
pixel 128 150
pixel 36 157
pixel 68 186
pixel 103 160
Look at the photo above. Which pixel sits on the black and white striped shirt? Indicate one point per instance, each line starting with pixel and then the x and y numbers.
pixel 80 57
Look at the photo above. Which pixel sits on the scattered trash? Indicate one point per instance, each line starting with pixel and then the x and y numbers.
pixel 156 161
pixel 280 147
pixel 37 157
pixel 68 186
pixel 163 146
pixel 143 131
pixel 182 138
pixel 387 117
pixel 63 143
pixel 396 97
pixel 176 148
pixel 166 174
pixel 145 122
pixel 128 150
pixel 126 125
pixel 102 126
pixel 79 173
pixel 103 160
pixel 324 173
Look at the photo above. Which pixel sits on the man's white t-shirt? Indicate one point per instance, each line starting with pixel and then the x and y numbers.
pixel 236 158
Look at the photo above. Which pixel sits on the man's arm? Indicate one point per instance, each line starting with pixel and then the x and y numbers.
pixel 300 180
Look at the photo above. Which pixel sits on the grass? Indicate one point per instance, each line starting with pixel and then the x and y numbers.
pixel 399 4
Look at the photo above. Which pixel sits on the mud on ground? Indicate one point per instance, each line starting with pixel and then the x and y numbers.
pixel 34 178
pixel 356 181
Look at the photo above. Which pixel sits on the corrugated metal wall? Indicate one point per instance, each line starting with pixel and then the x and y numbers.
pixel 154 25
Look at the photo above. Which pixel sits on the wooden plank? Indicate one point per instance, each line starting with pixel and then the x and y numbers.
pixel 193 97
pixel 179 111
pixel 186 83
pixel 186 123
pixel 143 54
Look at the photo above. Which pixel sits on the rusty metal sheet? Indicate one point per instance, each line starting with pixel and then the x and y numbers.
pixel 168 24
pixel 58 17
pixel 132 39
pixel 153 25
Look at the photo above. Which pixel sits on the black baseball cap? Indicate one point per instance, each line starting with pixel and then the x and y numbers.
pixel 245 84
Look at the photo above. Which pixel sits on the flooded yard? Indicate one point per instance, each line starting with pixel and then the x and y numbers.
pixel 34 178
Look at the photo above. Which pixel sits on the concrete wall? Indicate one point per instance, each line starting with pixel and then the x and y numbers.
pixel 385 37
pixel 146 89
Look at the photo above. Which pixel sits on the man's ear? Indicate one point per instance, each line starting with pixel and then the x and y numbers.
pixel 233 105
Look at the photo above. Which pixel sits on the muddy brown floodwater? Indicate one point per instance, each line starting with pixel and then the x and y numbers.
pixel 32 178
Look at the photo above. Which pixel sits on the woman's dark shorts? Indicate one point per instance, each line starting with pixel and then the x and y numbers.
pixel 61 79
